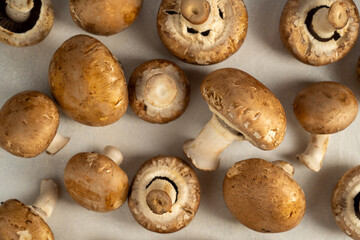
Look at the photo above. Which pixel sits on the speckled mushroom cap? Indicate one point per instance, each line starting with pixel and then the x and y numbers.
pixel 159 91
pixel 28 123
pixel 17 221
pixel 263 197
pixel 179 174
pixel 88 82
pixel 30 32
pixel 112 16
pixel 96 182
pixel 246 106
pixel 325 107
pixel 301 41
pixel 211 42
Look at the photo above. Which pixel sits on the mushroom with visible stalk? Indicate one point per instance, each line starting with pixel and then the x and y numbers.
pixel 164 195
pixel 263 195
pixel 322 109
pixel 202 31
pixel 243 109
pixel 18 221
pixel 28 124
pixel 319 32
pixel 88 82
pixel 104 17
pixel 95 181
pixel 25 22
pixel 159 91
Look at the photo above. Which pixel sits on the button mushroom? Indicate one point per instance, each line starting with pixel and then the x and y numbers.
pixel 104 17
pixel 88 82
pixel 243 109
pixel 202 31
pixel 28 124
pixel 164 195
pixel 18 221
pixel 159 91
pixel 319 32
pixel 263 197
pixel 25 22
pixel 323 108
pixel 95 181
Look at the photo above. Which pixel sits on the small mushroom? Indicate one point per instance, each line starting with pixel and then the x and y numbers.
pixel 164 195
pixel 88 82
pixel 243 109
pixel 263 197
pixel 18 221
pixel 25 22
pixel 28 124
pixel 323 108
pixel 202 31
pixel 319 32
pixel 95 181
pixel 104 17
pixel 159 91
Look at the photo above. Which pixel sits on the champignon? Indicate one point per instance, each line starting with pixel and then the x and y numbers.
pixel 263 197
pixel 88 82
pixel 323 108
pixel 28 124
pixel 104 17
pixel 202 31
pixel 243 109
pixel 319 32
pixel 164 195
pixel 159 91
pixel 95 181
pixel 18 221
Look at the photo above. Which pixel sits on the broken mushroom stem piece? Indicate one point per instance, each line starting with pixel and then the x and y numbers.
pixel 19 10
pixel 195 11
pixel 161 195
pixel 57 144
pixel 45 203
pixel 114 154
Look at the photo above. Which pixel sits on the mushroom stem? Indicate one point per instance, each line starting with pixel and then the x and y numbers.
pixel 19 10
pixel 57 144
pixel 287 167
pixel 45 203
pixel 114 154
pixel 160 90
pixel 161 195
pixel 315 151
pixel 195 11
pixel 206 148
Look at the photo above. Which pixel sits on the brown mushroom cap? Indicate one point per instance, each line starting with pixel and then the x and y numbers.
pixel 179 174
pixel 28 123
pixel 176 95
pixel 17 221
pixel 263 197
pixel 325 107
pixel 246 106
pixel 95 182
pixel 213 41
pixel 112 16
pixel 88 82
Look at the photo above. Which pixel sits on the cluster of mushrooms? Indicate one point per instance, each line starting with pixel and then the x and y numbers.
pixel 88 83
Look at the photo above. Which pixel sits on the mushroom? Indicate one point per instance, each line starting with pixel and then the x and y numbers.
pixel 88 82
pixel 164 195
pixel 25 22
pixel 323 108
pixel 28 124
pixel 95 181
pixel 104 17
pixel 159 91
pixel 243 109
pixel 263 197
pixel 18 221
pixel 319 32
pixel 202 31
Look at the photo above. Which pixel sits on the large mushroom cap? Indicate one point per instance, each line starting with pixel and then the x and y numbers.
pixel 246 106
pixel 263 197
pixel 28 123
pixel 209 42
pixel 17 221
pixel 325 107
pixel 88 82
pixel 96 182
